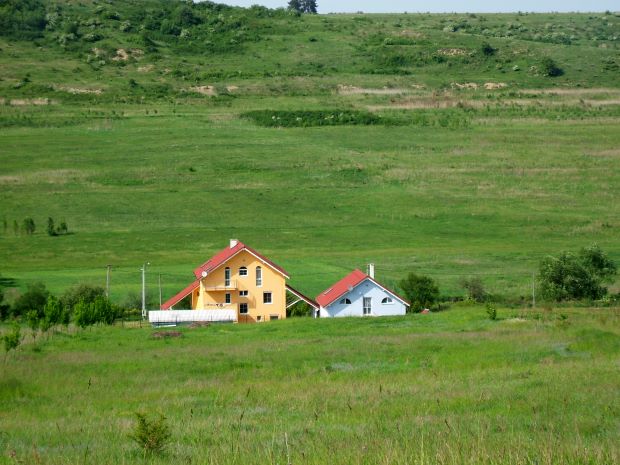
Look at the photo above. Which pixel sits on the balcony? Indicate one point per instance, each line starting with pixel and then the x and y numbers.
pixel 232 285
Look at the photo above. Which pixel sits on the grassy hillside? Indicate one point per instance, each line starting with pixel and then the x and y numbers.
pixel 126 120
pixel 450 388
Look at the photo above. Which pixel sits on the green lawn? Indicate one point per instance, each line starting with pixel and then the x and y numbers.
pixel 450 387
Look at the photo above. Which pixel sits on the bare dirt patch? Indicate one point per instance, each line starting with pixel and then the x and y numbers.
pixel 166 334
pixel 204 90
pixel 79 90
pixel 121 55
pixel 452 52
pixel 232 88
pixel 146 68
pixel 464 85
pixel 612 153
pixel 570 91
pixel 31 101
pixel 412 33
pixel 495 85
pixel 352 90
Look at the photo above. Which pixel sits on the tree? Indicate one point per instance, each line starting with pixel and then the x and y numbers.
pixel 303 6
pixel 34 298
pixel 12 339
pixel 550 68
pixel 487 49
pixel 52 313
pixel 29 226
pixel 474 288
pixel 421 291
pixel 81 292
pixel 576 276
pixel 51 229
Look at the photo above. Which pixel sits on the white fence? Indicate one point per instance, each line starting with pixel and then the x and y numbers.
pixel 179 317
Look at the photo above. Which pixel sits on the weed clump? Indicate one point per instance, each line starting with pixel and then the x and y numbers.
pixel 151 435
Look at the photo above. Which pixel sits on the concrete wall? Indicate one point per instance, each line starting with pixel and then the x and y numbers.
pixel 365 289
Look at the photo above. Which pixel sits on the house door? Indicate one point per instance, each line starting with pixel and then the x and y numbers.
pixel 367 305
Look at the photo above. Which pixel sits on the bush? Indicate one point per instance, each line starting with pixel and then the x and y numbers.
pixel 491 311
pixel 576 276
pixel 474 288
pixel 421 291
pixel 152 436
pixel 550 68
pixel 287 119
pixel 487 49
pixel 99 311
pixel 12 339
pixel 34 298
pixel 81 293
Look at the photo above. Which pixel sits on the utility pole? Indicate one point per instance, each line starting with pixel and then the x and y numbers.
pixel 144 290
pixel 107 281
pixel 533 290
pixel 160 290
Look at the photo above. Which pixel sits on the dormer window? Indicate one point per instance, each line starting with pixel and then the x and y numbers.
pixel 345 301
pixel 387 300
pixel 243 271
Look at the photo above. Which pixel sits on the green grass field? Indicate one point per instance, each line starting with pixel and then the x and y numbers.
pixel 534 387
pixel 491 165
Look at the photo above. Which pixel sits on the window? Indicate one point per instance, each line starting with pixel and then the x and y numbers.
pixel 243 271
pixel 345 301
pixel 267 298
pixel 367 305
pixel 274 317
pixel 227 297
pixel 227 277
pixel 259 318
pixel 243 309
pixel 259 276
pixel 243 293
pixel 387 300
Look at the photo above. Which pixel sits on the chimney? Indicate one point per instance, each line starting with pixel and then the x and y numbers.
pixel 233 243
pixel 371 270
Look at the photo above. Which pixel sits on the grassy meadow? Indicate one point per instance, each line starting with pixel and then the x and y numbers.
pixel 535 386
pixel 133 132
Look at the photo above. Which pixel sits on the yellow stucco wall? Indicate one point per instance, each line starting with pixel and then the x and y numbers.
pixel 213 290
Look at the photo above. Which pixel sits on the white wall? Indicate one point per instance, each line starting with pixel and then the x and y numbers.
pixel 365 289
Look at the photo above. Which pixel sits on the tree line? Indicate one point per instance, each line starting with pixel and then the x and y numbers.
pixel 569 276
pixel 29 227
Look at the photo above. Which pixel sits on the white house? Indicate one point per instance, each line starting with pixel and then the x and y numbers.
pixel 358 294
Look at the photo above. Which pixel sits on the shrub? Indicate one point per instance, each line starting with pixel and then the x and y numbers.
pixel 29 226
pixel 491 311
pixel 51 229
pixel 550 68
pixel 81 292
pixel 421 291
pixel 576 276
pixel 487 49
pixel 34 298
pixel 152 436
pixel 270 118
pixel 52 313
pixel 474 288
pixel 12 339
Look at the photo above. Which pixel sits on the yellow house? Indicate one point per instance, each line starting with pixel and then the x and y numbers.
pixel 241 279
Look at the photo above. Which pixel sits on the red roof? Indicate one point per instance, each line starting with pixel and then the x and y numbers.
pixel 346 284
pixel 226 254
pixel 180 296
pixel 215 262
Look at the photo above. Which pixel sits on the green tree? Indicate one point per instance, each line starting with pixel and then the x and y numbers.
pixel 12 339
pixel 81 292
pixel 51 229
pixel 34 298
pixel 303 6
pixel 550 68
pixel 474 288
pixel 576 276
pixel 52 313
pixel 421 291
pixel 29 226
pixel 33 320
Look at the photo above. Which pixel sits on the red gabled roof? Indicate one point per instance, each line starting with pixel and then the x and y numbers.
pixel 347 283
pixel 226 254
pixel 180 296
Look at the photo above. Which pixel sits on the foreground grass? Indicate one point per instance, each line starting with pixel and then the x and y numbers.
pixel 453 387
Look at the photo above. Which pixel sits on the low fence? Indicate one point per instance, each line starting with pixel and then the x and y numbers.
pixel 180 317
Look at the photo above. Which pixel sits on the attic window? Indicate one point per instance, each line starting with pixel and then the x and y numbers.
pixel 387 300
pixel 243 271
pixel 345 301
